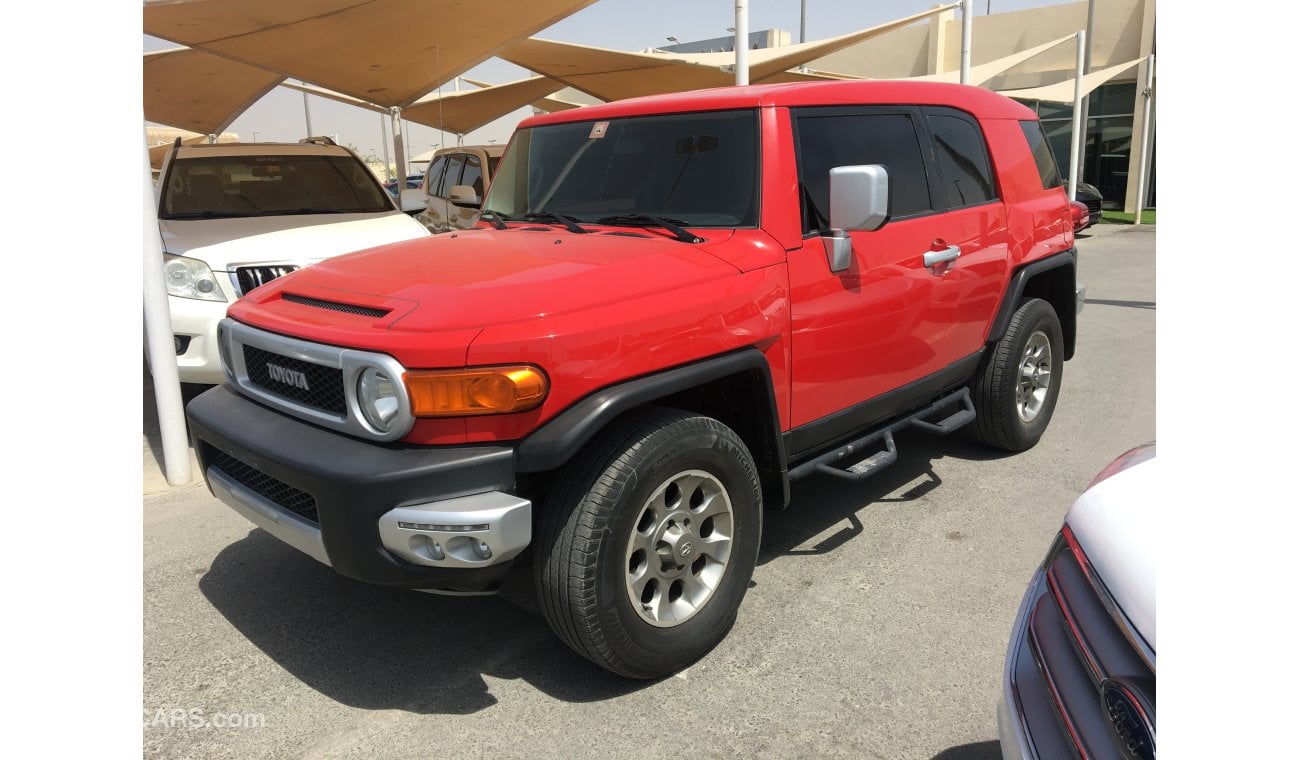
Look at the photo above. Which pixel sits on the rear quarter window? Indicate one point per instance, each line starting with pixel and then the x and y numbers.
pixel 1048 172
pixel 963 160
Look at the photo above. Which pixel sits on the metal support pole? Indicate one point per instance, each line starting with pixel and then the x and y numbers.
pixel 803 21
pixel 1076 139
pixel 383 140
pixel 967 20
pixel 306 109
pixel 1144 163
pixel 161 346
pixel 742 42
pixel 1087 69
pixel 399 153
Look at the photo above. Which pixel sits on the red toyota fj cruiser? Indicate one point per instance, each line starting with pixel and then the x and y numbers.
pixel 672 307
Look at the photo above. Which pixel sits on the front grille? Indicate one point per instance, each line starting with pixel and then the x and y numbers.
pixel 252 277
pixel 1094 205
pixel 292 499
pixel 346 308
pixel 1079 641
pixel 324 385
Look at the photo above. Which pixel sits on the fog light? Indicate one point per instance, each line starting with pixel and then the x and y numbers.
pixel 482 549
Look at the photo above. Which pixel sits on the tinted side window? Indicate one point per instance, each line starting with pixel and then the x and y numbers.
pixel 455 163
pixel 473 175
pixel 433 180
pixel 851 139
pixel 963 159
pixel 1047 171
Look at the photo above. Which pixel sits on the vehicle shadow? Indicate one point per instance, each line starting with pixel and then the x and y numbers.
pixel 379 648
pixel 977 751
pixel 820 501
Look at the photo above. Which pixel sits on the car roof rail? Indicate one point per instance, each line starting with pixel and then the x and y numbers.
pixel 318 140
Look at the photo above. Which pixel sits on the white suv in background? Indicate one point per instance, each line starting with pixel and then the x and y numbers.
pixel 1080 673
pixel 234 216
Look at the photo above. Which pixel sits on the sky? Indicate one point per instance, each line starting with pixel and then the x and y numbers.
pixel 616 24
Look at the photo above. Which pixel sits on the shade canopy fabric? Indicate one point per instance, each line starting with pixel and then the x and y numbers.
pixel 615 74
pixel 200 92
pixel 386 52
pixel 986 71
pixel 465 111
pixel 458 112
pixel 1063 92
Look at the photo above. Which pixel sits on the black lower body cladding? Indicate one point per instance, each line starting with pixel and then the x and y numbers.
pixel 350 483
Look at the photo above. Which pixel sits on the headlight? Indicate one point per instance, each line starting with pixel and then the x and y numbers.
pixel 378 399
pixel 190 278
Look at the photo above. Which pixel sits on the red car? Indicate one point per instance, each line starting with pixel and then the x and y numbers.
pixel 1079 212
pixel 671 308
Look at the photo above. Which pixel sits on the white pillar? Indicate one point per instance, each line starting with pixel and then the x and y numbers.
pixel 161 346
pixel 383 140
pixel 742 42
pixel 1144 164
pixel 1076 139
pixel 306 110
pixel 967 19
pixel 399 153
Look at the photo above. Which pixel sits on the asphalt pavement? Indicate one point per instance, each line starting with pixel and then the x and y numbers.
pixel 875 627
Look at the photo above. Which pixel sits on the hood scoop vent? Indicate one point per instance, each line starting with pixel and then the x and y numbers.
pixel 346 308
pixel 536 229
pixel 621 233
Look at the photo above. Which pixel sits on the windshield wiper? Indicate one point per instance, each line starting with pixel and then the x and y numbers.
pixel 650 220
pixel 570 223
pixel 210 215
pixel 496 218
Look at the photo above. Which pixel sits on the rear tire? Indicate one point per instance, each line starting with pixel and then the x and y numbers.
pixel 1019 379
pixel 647 545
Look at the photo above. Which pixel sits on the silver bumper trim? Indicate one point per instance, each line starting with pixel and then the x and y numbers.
pixel 1080 293
pixel 1013 734
pixel 471 531
pixel 285 526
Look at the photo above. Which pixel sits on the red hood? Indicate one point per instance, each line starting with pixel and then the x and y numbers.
pixel 476 278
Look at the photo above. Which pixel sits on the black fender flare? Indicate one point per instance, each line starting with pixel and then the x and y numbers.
pixel 1016 288
pixel 556 442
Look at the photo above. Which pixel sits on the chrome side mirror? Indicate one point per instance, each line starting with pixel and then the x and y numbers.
pixel 859 201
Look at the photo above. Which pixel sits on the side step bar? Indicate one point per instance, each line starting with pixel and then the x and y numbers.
pixel 866 467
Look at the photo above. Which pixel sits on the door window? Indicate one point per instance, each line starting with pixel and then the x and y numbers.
pixel 828 138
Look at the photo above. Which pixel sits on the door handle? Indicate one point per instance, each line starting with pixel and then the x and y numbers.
pixel 950 253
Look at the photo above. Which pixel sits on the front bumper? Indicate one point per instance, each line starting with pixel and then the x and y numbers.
pixel 197 320
pixel 435 518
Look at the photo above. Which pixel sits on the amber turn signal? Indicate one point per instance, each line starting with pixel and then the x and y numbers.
pixel 484 390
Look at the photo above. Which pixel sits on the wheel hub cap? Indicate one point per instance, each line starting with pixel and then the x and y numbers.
pixel 679 548
pixel 1035 377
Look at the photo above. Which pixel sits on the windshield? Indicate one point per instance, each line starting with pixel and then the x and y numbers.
pixel 238 186
pixel 698 169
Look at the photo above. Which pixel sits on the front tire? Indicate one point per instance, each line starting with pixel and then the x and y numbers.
pixel 1017 384
pixel 648 543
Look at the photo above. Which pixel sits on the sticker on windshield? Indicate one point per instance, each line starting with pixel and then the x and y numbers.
pixel 598 129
